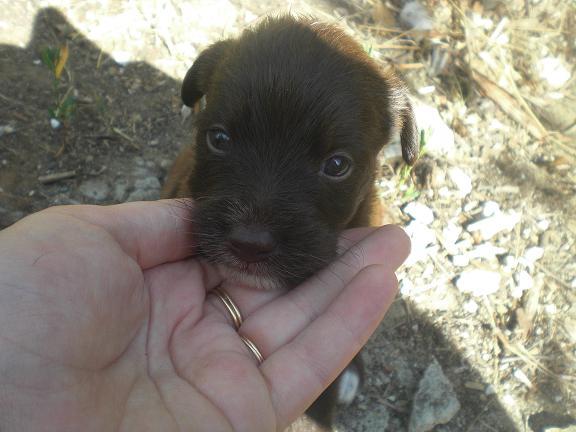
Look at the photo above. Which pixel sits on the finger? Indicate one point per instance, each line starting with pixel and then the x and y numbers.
pixel 352 236
pixel 279 321
pixel 299 371
pixel 152 233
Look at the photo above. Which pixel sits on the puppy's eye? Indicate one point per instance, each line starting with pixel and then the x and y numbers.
pixel 337 166
pixel 218 140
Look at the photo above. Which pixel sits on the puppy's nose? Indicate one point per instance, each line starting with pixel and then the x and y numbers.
pixel 251 243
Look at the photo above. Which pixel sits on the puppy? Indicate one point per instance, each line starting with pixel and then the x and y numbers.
pixel 284 152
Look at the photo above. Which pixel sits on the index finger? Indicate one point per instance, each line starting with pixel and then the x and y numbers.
pixel 151 232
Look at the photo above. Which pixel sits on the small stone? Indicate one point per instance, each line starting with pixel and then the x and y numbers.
pixel 533 254
pixel 521 376
pixel 553 71
pixel 543 225
pixel 490 208
pixel 486 251
pixel 450 234
pixel 121 57
pixel 419 212
pixel 478 282
pixel 440 140
pixel 421 237
pixel 414 16
pixel 524 282
pixel 461 180
pixel 435 402
pixel 470 306
pixel 490 226
pixel 120 188
pixel 95 189
pixel 573 283
pixel 490 390
pixel 7 130
pixel 460 260
pixel 54 123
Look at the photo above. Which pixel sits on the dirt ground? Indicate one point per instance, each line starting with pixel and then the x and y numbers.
pixel 107 130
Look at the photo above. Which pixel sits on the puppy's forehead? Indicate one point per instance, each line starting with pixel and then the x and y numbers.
pixel 289 81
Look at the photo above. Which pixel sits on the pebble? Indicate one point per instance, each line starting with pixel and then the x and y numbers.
pixel 54 123
pixel 543 225
pixel 120 188
pixel 421 237
pixel 414 16
pixel 470 306
pixel 478 282
pixel 122 58
pixel 521 376
pixel 461 180
pixel 439 137
pixel 488 227
pixel 435 401
pixel 553 71
pixel 460 260
pixel 145 189
pixel 7 130
pixel 450 234
pixel 524 282
pixel 573 283
pixel 486 251
pixel 533 254
pixel 95 189
pixel 419 212
pixel 490 208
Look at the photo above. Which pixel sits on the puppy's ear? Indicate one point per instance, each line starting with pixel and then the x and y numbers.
pixel 409 136
pixel 198 77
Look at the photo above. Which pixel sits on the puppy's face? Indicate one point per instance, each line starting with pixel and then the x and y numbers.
pixel 286 147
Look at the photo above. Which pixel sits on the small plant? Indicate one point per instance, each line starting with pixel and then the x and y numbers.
pixel 405 175
pixel 64 100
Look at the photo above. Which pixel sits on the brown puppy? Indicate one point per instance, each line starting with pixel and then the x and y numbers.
pixel 284 152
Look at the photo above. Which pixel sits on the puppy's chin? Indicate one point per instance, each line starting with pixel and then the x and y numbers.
pixel 237 277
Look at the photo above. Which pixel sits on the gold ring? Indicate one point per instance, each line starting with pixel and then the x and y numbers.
pixel 230 306
pixel 250 345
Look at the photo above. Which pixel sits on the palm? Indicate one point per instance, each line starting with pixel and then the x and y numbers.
pixel 113 331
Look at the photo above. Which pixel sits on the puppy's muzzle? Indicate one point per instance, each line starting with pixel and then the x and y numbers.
pixel 251 243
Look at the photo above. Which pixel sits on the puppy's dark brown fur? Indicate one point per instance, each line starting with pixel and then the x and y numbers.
pixel 289 94
pixel 292 96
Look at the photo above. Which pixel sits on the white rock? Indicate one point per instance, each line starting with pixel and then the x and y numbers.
pixel 543 225
pixel 461 180
pixel 121 57
pixel 573 283
pixel 478 282
pixel 460 260
pixel 414 16
pixel 523 283
pixel 533 254
pixel 485 251
pixel 490 390
pixel 553 71
pixel 439 137
pixel 490 208
pixel 6 130
pixel 510 262
pixel 450 234
pixel 470 306
pixel 54 123
pixel 185 112
pixel 421 237
pixel 426 90
pixel 435 401
pixel 419 212
pixel 521 376
pixel 492 225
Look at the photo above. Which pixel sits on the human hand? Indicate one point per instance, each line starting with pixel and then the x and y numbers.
pixel 105 325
